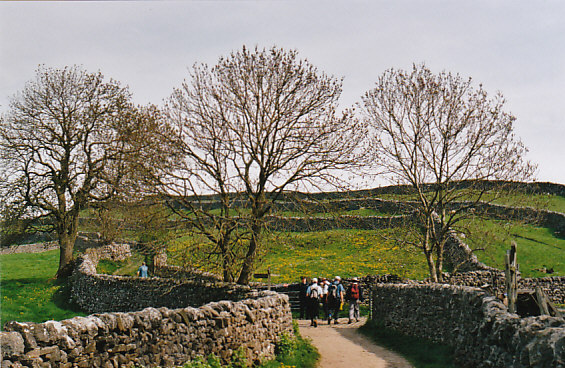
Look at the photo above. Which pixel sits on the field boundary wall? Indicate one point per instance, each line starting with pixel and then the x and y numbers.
pixel 476 325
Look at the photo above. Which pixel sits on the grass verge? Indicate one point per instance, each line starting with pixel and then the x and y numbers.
pixel 295 352
pixel 419 352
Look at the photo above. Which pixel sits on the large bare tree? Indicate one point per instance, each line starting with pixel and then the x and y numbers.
pixel 66 142
pixel 443 136
pixel 257 123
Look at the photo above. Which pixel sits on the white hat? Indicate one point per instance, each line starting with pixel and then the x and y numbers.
pixel 355 279
pixel 338 278
pixel 314 280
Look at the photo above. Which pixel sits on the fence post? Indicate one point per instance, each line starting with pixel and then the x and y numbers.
pixel 371 302
pixel 511 277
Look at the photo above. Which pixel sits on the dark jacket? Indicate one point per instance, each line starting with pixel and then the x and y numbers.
pixel 302 291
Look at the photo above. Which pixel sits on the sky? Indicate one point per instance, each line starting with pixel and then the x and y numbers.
pixel 515 47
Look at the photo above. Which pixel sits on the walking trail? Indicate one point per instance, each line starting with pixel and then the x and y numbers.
pixel 343 346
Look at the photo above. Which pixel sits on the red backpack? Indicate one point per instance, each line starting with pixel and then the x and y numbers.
pixel 354 293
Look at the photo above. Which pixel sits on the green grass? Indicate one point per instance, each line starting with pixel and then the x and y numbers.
pixel 541 201
pixel 537 246
pixel 346 253
pixel 362 252
pixel 128 267
pixel 29 293
pixel 420 352
pixel 297 353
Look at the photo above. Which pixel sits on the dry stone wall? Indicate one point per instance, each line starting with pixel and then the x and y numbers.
pixel 151 337
pixel 98 293
pixel 554 287
pixel 477 326
pixel 305 224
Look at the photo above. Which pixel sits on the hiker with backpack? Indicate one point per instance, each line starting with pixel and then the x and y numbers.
pixel 313 295
pixel 354 295
pixel 336 293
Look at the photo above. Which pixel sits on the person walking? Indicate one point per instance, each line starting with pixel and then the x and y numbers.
pixel 313 295
pixel 324 284
pixel 336 294
pixel 142 270
pixel 302 288
pixel 354 295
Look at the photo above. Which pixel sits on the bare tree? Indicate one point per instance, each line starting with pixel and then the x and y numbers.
pixel 256 124
pixel 65 142
pixel 443 136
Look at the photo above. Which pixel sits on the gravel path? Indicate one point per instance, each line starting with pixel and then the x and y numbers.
pixel 343 346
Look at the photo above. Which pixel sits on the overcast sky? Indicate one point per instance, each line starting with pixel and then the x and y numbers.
pixel 516 47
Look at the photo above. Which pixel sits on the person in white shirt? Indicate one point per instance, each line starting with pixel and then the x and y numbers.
pixel 324 284
pixel 313 295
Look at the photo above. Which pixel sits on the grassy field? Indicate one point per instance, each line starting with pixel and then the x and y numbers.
pixel 346 253
pixel 28 290
pixel 362 252
pixel 538 247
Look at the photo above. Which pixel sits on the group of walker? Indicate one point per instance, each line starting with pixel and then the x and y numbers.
pixel 332 295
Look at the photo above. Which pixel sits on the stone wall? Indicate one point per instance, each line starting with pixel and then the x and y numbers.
pixel 459 256
pixel 305 224
pixel 477 326
pixel 30 248
pixel 113 251
pixel 554 287
pixel 151 337
pixel 98 293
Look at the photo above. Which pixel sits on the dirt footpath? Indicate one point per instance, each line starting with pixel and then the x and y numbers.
pixel 342 346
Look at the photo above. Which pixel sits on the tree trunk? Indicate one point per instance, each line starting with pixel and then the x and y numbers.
pixel 67 232
pixel 439 261
pixel 66 247
pixel 226 263
pixel 428 250
pixel 249 261
pixel 431 266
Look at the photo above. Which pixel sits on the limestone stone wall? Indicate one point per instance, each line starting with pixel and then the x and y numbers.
pixel 151 337
pixel 305 224
pixel 98 293
pixel 479 327
pixel 459 255
pixel 554 287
